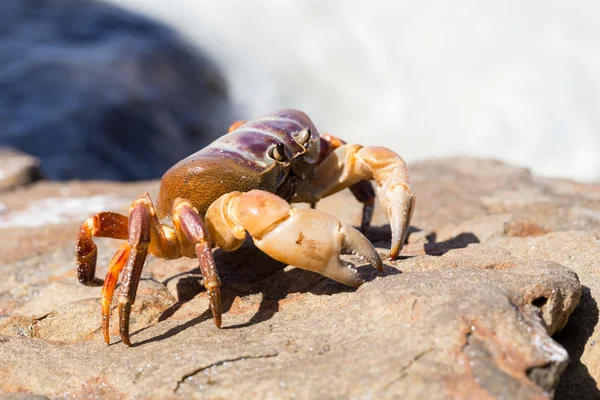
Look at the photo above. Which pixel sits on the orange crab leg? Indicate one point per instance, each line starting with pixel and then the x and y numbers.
pixel 139 239
pixel 145 235
pixel 104 224
pixel 236 125
pixel 114 270
pixel 189 225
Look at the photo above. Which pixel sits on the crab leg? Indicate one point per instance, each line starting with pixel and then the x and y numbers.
pixel 363 190
pixel 307 239
pixel 104 224
pixel 139 238
pixel 236 125
pixel 114 270
pixel 146 234
pixel 350 163
pixel 188 224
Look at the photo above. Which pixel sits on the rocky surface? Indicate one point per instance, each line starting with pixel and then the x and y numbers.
pixel 495 291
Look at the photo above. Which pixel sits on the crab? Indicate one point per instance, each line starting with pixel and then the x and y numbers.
pixel 243 183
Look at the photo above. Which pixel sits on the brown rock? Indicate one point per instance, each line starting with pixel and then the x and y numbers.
pixel 438 331
pixel 579 251
pixel 16 169
pixel 467 312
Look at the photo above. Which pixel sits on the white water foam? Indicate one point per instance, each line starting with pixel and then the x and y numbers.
pixel 517 80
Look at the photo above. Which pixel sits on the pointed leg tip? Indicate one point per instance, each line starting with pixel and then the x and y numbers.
pixel 105 334
pixel 91 282
pixel 394 253
pixel 124 314
pixel 98 282
pixel 105 302
pixel 94 283
pixel 215 305
pixel 218 322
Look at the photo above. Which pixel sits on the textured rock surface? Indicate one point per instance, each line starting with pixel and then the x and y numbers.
pixel 97 92
pixel 494 269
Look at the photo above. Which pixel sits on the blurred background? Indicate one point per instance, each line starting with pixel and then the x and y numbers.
pixel 99 92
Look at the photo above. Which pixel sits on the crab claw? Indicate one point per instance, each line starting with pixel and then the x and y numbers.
pixel 352 163
pixel 304 238
pixel 313 240
pixel 358 244
pixel 398 204
pixel 399 210
pixel 393 189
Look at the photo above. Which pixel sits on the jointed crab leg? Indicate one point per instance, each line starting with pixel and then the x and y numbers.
pixel 350 163
pixel 139 238
pixel 139 229
pixel 104 224
pixel 114 270
pixel 236 125
pixel 146 234
pixel 363 190
pixel 190 226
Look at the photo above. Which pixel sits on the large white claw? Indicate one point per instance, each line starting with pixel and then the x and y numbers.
pixel 313 240
pixel 304 238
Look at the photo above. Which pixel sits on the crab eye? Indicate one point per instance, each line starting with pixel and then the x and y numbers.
pixel 277 152
pixel 303 136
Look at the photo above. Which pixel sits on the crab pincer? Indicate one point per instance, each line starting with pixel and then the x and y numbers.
pixel 308 239
pixel 351 164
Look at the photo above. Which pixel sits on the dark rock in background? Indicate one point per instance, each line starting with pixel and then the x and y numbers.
pixel 96 92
